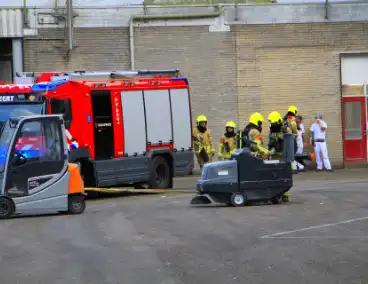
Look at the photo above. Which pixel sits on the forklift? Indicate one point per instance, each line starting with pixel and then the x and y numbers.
pixel 35 176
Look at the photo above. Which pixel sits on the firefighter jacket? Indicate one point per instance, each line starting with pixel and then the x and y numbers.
pixel 290 126
pixel 202 140
pixel 227 146
pixel 275 138
pixel 253 135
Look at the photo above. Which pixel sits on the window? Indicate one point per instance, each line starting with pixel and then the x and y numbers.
pixel 353 120
pixel 39 141
pixel 63 107
pixel 31 141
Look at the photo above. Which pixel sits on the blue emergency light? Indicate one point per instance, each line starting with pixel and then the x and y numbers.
pixel 180 79
pixel 49 86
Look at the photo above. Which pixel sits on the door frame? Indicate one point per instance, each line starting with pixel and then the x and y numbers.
pixel 363 101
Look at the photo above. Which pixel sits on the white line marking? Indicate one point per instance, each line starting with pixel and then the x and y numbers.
pixel 321 237
pixel 314 227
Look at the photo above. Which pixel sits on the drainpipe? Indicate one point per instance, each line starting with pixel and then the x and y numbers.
pixel 25 14
pixel 141 18
pixel 236 17
pixel 70 25
pixel 326 10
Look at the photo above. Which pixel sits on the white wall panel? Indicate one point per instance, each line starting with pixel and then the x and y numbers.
pixel 354 69
pixel 11 23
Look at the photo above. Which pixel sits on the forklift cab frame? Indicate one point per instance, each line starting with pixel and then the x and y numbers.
pixel 35 176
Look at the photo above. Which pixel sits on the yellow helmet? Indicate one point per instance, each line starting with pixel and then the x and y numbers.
pixel 256 118
pixel 230 124
pixel 201 118
pixel 293 109
pixel 274 117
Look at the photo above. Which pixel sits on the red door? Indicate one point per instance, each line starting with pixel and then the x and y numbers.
pixel 354 124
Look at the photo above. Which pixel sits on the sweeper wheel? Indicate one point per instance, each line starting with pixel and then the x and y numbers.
pixel 277 200
pixel 237 199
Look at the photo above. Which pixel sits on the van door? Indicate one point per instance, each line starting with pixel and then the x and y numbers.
pixel 103 124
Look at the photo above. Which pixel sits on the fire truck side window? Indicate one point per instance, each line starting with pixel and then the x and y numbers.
pixel 63 107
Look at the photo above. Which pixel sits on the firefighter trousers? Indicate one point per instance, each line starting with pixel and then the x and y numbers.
pixel 201 161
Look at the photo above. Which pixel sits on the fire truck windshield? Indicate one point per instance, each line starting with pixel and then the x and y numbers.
pixel 8 111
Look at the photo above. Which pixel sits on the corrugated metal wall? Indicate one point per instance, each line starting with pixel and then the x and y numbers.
pixel 11 23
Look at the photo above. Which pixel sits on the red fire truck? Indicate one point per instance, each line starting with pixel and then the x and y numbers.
pixel 124 127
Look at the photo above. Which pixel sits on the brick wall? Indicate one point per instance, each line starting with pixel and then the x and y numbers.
pixel 95 49
pixel 280 65
pixel 352 90
pixel 207 59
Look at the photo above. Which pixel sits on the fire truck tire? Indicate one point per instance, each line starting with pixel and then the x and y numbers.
pixel 160 175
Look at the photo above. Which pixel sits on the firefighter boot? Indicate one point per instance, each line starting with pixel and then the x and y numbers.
pixel 286 196
pixel 294 168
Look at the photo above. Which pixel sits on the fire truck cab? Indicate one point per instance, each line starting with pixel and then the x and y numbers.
pixel 123 127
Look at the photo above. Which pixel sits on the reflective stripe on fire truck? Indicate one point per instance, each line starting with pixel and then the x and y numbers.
pixel 71 144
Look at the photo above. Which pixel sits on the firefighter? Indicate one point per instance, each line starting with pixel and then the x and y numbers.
pixel 202 140
pixel 227 144
pixel 275 138
pixel 290 127
pixel 252 135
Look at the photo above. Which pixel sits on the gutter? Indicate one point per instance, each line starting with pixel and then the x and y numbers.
pixel 141 18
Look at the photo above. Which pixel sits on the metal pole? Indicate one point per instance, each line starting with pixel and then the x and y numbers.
pixel 17 56
pixel 70 24
pixel 326 10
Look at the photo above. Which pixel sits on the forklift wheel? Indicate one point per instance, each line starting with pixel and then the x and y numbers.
pixel 76 204
pixel 237 199
pixel 6 208
pixel 276 200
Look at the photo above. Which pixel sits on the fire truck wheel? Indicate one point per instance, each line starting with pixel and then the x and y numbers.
pixel 160 175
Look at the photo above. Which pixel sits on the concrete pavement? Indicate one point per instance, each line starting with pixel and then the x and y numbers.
pixel 320 237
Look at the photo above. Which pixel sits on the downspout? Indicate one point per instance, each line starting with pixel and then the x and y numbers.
pixel 326 9
pixel 141 18
pixel 70 25
pixel 25 14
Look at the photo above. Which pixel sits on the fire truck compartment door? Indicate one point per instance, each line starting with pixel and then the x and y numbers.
pixel 181 118
pixel 158 116
pixel 134 122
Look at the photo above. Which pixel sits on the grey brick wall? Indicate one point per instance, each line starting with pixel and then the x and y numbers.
pixel 207 59
pixel 96 49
